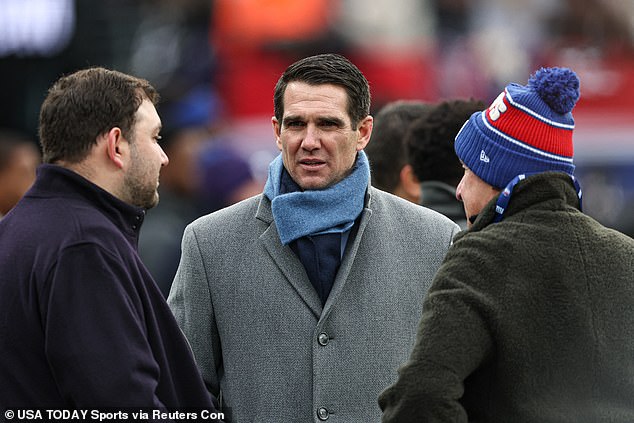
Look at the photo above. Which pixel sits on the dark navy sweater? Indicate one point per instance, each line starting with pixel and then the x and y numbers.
pixel 320 254
pixel 82 323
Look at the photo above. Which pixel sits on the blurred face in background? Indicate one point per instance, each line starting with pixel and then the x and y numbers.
pixel 18 176
pixel 318 143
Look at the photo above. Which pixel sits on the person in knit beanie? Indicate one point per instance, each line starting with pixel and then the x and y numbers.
pixel 529 317
pixel 527 129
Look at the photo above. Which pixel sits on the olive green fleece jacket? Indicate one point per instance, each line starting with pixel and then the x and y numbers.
pixel 528 320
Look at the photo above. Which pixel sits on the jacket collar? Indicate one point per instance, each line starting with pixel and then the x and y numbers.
pixel 540 190
pixel 55 181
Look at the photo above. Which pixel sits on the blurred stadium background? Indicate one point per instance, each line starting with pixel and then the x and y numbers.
pixel 234 51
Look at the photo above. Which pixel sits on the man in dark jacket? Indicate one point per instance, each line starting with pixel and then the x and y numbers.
pixel 82 323
pixel 530 317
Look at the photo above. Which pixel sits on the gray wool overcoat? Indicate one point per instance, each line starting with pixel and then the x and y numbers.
pixel 263 341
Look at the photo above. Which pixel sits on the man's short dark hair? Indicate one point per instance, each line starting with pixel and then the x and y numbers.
pixel 327 69
pixel 386 149
pixel 429 140
pixel 86 104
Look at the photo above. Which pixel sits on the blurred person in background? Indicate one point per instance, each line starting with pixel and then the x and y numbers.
pixel 188 123
pixel 300 302
pixel 88 326
pixel 227 177
pixel 387 152
pixel 530 316
pixel 205 174
pixel 19 158
pixel 429 149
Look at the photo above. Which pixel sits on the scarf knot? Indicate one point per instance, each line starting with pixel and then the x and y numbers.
pixel 316 212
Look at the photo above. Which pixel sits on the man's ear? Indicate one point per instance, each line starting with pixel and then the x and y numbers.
pixel 116 147
pixel 277 129
pixel 365 131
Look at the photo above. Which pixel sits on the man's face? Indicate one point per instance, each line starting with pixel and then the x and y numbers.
pixel 316 138
pixel 18 176
pixel 146 159
pixel 474 193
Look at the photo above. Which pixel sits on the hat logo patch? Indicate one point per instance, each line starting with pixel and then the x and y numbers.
pixel 497 107
pixel 483 157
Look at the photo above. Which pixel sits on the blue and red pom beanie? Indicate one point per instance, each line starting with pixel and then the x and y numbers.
pixel 527 129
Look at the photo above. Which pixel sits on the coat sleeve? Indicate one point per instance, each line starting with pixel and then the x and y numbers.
pixel 453 340
pixel 95 336
pixel 191 302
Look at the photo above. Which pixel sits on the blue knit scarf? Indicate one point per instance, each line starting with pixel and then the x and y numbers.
pixel 316 212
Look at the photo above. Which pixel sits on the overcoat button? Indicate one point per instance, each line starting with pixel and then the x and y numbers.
pixel 323 414
pixel 323 339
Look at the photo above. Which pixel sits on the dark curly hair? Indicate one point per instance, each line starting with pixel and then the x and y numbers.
pixel 429 140
pixel 386 150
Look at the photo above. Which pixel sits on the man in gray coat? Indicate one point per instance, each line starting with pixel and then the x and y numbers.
pixel 301 302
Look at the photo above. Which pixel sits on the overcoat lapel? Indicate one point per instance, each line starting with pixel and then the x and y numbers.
pixel 348 259
pixel 285 259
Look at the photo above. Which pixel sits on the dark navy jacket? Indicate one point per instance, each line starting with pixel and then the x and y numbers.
pixel 82 323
